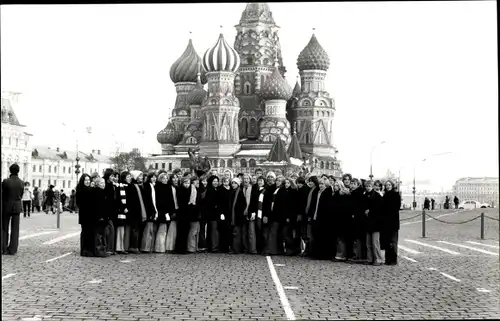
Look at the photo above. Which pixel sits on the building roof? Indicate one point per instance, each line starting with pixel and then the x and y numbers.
pixel 276 87
pixel 478 180
pixel 257 12
pixel 46 152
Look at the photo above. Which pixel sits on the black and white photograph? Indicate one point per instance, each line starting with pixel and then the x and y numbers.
pixel 250 161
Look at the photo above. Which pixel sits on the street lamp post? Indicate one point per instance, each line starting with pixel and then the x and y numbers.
pixel 371 158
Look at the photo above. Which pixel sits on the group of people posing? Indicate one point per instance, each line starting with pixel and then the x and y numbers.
pixel 314 216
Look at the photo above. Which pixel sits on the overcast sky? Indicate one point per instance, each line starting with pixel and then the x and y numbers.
pixel 421 76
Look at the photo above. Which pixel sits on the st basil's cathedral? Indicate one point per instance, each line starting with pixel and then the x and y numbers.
pixel 247 103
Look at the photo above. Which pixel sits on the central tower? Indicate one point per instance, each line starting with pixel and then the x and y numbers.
pixel 257 44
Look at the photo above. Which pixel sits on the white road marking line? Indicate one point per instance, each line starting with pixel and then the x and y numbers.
pixel 35 235
pixel 53 259
pixel 279 264
pixel 281 292
pixel 470 248
pixel 409 259
pixel 433 247
pixel 8 276
pixel 450 277
pixel 482 290
pixel 408 249
pixel 127 261
pixel 291 287
pixel 94 281
pixel 35 318
pixel 442 215
pixel 483 244
pixel 61 238
pixel 432 269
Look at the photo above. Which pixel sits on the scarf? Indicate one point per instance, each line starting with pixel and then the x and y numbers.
pixel 143 208
pixel 123 200
pixel 153 195
pixel 194 194
pixel 317 205
pixel 234 205
pixel 248 195
pixel 261 200
pixel 174 196
pixel 309 197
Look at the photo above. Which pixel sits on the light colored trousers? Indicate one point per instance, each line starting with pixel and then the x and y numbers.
pixel 161 238
pixel 193 236
pixel 171 236
pixel 120 239
pixel 249 237
pixel 373 252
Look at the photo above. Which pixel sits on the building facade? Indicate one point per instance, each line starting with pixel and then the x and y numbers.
pixel 248 104
pixel 16 144
pixel 54 166
pixel 481 189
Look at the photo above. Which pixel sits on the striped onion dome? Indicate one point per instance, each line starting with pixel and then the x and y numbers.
pixel 196 96
pixel 313 57
pixel 221 57
pixel 185 68
pixel 276 87
pixel 168 135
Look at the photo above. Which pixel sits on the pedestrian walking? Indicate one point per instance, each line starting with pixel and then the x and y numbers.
pixel 37 200
pixel 27 199
pixel 12 192
pixel 50 200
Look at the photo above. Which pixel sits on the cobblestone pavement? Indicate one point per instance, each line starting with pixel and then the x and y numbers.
pixel 450 274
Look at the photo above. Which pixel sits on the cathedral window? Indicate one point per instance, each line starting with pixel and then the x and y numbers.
pixel 253 127
pixel 243 163
pixel 327 165
pixel 191 140
pixel 247 89
pixel 34 170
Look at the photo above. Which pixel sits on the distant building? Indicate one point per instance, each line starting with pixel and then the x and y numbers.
pixel 15 139
pixel 481 189
pixel 57 167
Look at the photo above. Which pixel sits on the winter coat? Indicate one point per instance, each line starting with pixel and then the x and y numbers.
pixel 120 204
pixel 268 200
pixel 12 191
pixel 341 209
pixel 37 198
pixel 374 218
pixel 49 197
pixel 210 209
pixel 324 215
pixel 162 201
pixel 238 205
pixel 98 205
pixel 147 197
pixel 303 192
pixel 134 215
pixel 224 205
pixel 111 201
pixel 84 199
pixel 254 200
pixel 186 211
pixel 391 203
pixel 357 201
pixel 312 205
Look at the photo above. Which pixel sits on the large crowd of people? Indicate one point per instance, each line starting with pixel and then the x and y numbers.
pixel 312 216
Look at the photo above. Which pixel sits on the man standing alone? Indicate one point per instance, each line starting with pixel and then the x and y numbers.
pixel 12 192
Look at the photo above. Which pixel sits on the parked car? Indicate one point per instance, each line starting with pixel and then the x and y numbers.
pixel 485 205
pixel 469 205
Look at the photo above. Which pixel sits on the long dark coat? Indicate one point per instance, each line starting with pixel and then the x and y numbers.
pixel 12 192
pixel 224 205
pixel 342 213
pixel 238 205
pixel 358 212
pixel 391 203
pixel 84 202
pixel 110 204
pixel 162 201
pixel 134 215
pixel 147 197
pixel 373 203
pixel 210 208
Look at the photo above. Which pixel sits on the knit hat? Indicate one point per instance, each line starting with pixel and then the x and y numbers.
pixel 271 174
pixel 237 180
pixel 135 174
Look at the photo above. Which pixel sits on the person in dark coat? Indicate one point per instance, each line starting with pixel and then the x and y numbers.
pixel 49 200
pixel 211 213
pixel 237 217
pixel 350 226
pixel 456 201
pixel 171 215
pixel 194 216
pixel 100 216
pixel 267 210
pixel 341 218
pixel 372 206
pixel 164 206
pixel 137 213
pixel 224 208
pixel 37 197
pixel 204 222
pixel 72 201
pixel 256 206
pixel 183 215
pixel 359 222
pixel 276 219
pixel 433 203
pixel 150 227
pixel 84 199
pixel 322 223
pixel 111 209
pixel 122 205
pixel 391 203
pixel 12 192
pixel 289 224
pixel 427 204
pixel 301 230
pixel 312 200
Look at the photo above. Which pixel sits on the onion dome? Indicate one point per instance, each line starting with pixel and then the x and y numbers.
pixel 257 12
pixel 221 57
pixel 185 68
pixel 196 96
pixel 276 87
pixel 313 57
pixel 168 135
